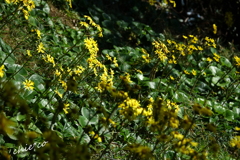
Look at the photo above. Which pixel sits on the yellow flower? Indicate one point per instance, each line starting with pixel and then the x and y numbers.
pixel 28 84
pixel 171 77
pixel 40 48
pixel 174 123
pixel 50 59
pixel 152 2
pixel 70 3
pixel 237 59
pixel 126 78
pixel 1 71
pixel 64 84
pixel 66 107
pixel 185 37
pixel 91 45
pixel 235 142
pixel 78 70
pixel 84 24
pixel 214 29
pixel 173 2
pixel 58 93
pixel 194 72
pixel 216 57
pixel 57 73
pixel 29 53
pixel 209 59
pixel 8 1
pixel 237 128
pixel 25 13
pixel 177 135
pixel 186 72
pixel 115 62
pixel 38 33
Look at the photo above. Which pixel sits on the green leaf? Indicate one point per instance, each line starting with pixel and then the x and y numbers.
pixel 236 112
pixel 151 85
pixel 215 79
pixel 12 68
pixel 32 21
pixel 85 139
pixel 93 120
pixel 85 112
pixel 69 130
pixel 83 121
pixel 106 16
pixel 229 115
pixel 140 77
pixel 33 127
pixel 36 79
pixel 19 77
pixel 225 62
pixel 213 50
pixel 9 59
pixel 219 109
pixel 214 70
pixel 2 141
pixel 46 8
pixel 108 24
pixel 5 48
pixel 179 96
pixel 20 117
pixel 40 87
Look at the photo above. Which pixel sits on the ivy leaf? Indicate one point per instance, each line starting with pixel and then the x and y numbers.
pixel 219 109
pixel 83 121
pixel 225 62
pixel 229 115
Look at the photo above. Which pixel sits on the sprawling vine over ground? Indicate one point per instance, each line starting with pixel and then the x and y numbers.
pixel 123 79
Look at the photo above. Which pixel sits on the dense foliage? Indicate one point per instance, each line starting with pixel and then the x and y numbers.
pixel 90 80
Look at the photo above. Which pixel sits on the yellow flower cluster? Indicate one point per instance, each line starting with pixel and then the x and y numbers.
pixel 146 56
pixel 216 57
pixel 210 42
pixel 164 113
pixel 114 60
pixel 126 78
pixel 49 58
pixel 92 23
pixel 95 136
pixel 106 81
pixel 130 108
pixel 93 62
pixel 91 45
pixel 26 6
pixel 235 142
pixel 143 152
pixel 37 32
pixel 160 50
